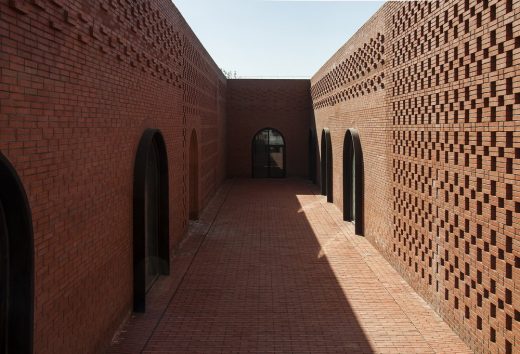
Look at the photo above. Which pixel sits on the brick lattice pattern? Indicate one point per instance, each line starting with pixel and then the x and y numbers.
pixel 451 124
pixel 453 96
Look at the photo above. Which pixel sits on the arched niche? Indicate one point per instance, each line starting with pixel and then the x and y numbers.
pixel 312 155
pixel 150 215
pixel 353 180
pixel 16 264
pixel 326 165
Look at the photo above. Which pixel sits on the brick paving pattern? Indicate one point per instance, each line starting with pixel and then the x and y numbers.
pixel 271 267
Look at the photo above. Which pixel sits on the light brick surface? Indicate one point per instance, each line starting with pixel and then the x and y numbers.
pixel 432 88
pixel 279 271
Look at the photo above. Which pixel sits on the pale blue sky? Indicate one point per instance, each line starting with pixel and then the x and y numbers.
pixel 274 38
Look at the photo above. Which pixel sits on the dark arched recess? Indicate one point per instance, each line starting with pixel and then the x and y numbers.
pixel 194 177
pixel 151 154
pixel 312 155
pixel 17 264
pixel 353 180
pixel 326 165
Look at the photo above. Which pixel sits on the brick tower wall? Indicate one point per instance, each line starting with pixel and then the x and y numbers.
pixel 256 104
pixel 448 125
pixel 80 82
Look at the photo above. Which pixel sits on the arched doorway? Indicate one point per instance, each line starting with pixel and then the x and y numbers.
pixel 312 155
pixel 326 165
pixel 353 180
pixel 268 150
pixel 151 215
pixel 194 177
pixel 16 264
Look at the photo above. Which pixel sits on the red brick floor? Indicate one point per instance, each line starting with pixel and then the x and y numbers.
pixel 272 268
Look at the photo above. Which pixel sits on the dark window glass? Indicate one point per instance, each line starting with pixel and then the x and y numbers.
pixel 268 154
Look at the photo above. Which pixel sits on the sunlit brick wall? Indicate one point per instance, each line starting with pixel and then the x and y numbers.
pixel 450 123
pixel 80 82
pixel 349 92
pixel 453 103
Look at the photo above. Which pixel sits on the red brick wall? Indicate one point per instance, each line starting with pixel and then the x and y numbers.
pixel 448 185
pixel 453 103
pixel 349 92
pixel 255 104
pixel 431 87
pixel 79 83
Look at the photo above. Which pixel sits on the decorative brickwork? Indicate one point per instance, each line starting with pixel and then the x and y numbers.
pixel 449 136
pixel 80 83
pixel 342 100
pixel 353 76
pixel 432 88
pixel 454 72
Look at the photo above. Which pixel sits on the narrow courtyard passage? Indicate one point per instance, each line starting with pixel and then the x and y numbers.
pixel 272 268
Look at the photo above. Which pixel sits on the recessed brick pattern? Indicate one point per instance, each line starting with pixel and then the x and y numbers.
pixel 451 125
pixel 366 112
pixel 454 70
pixel 79 83
pixel 353 76
pixel 431 86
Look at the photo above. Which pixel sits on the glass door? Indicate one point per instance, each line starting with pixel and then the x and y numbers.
pixel 268 154
pixel 276 163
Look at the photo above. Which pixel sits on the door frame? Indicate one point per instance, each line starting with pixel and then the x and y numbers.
pixel 268 146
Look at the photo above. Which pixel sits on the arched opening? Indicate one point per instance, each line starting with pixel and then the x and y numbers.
pixel 312 155
pixel 194 177
pixel 268 150
pixel 353 180
pixel 16 264
pixel 326 165
pixel 151 215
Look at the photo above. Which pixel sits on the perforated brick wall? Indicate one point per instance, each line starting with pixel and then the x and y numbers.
pixel 253 105
pixel 80 81
pixel 449 124
pixel 453 103
pixel 349 92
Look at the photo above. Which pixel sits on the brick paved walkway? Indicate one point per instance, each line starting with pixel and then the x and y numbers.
pixel 272 268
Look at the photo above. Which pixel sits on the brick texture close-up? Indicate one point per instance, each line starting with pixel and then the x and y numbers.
pixel 422 103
